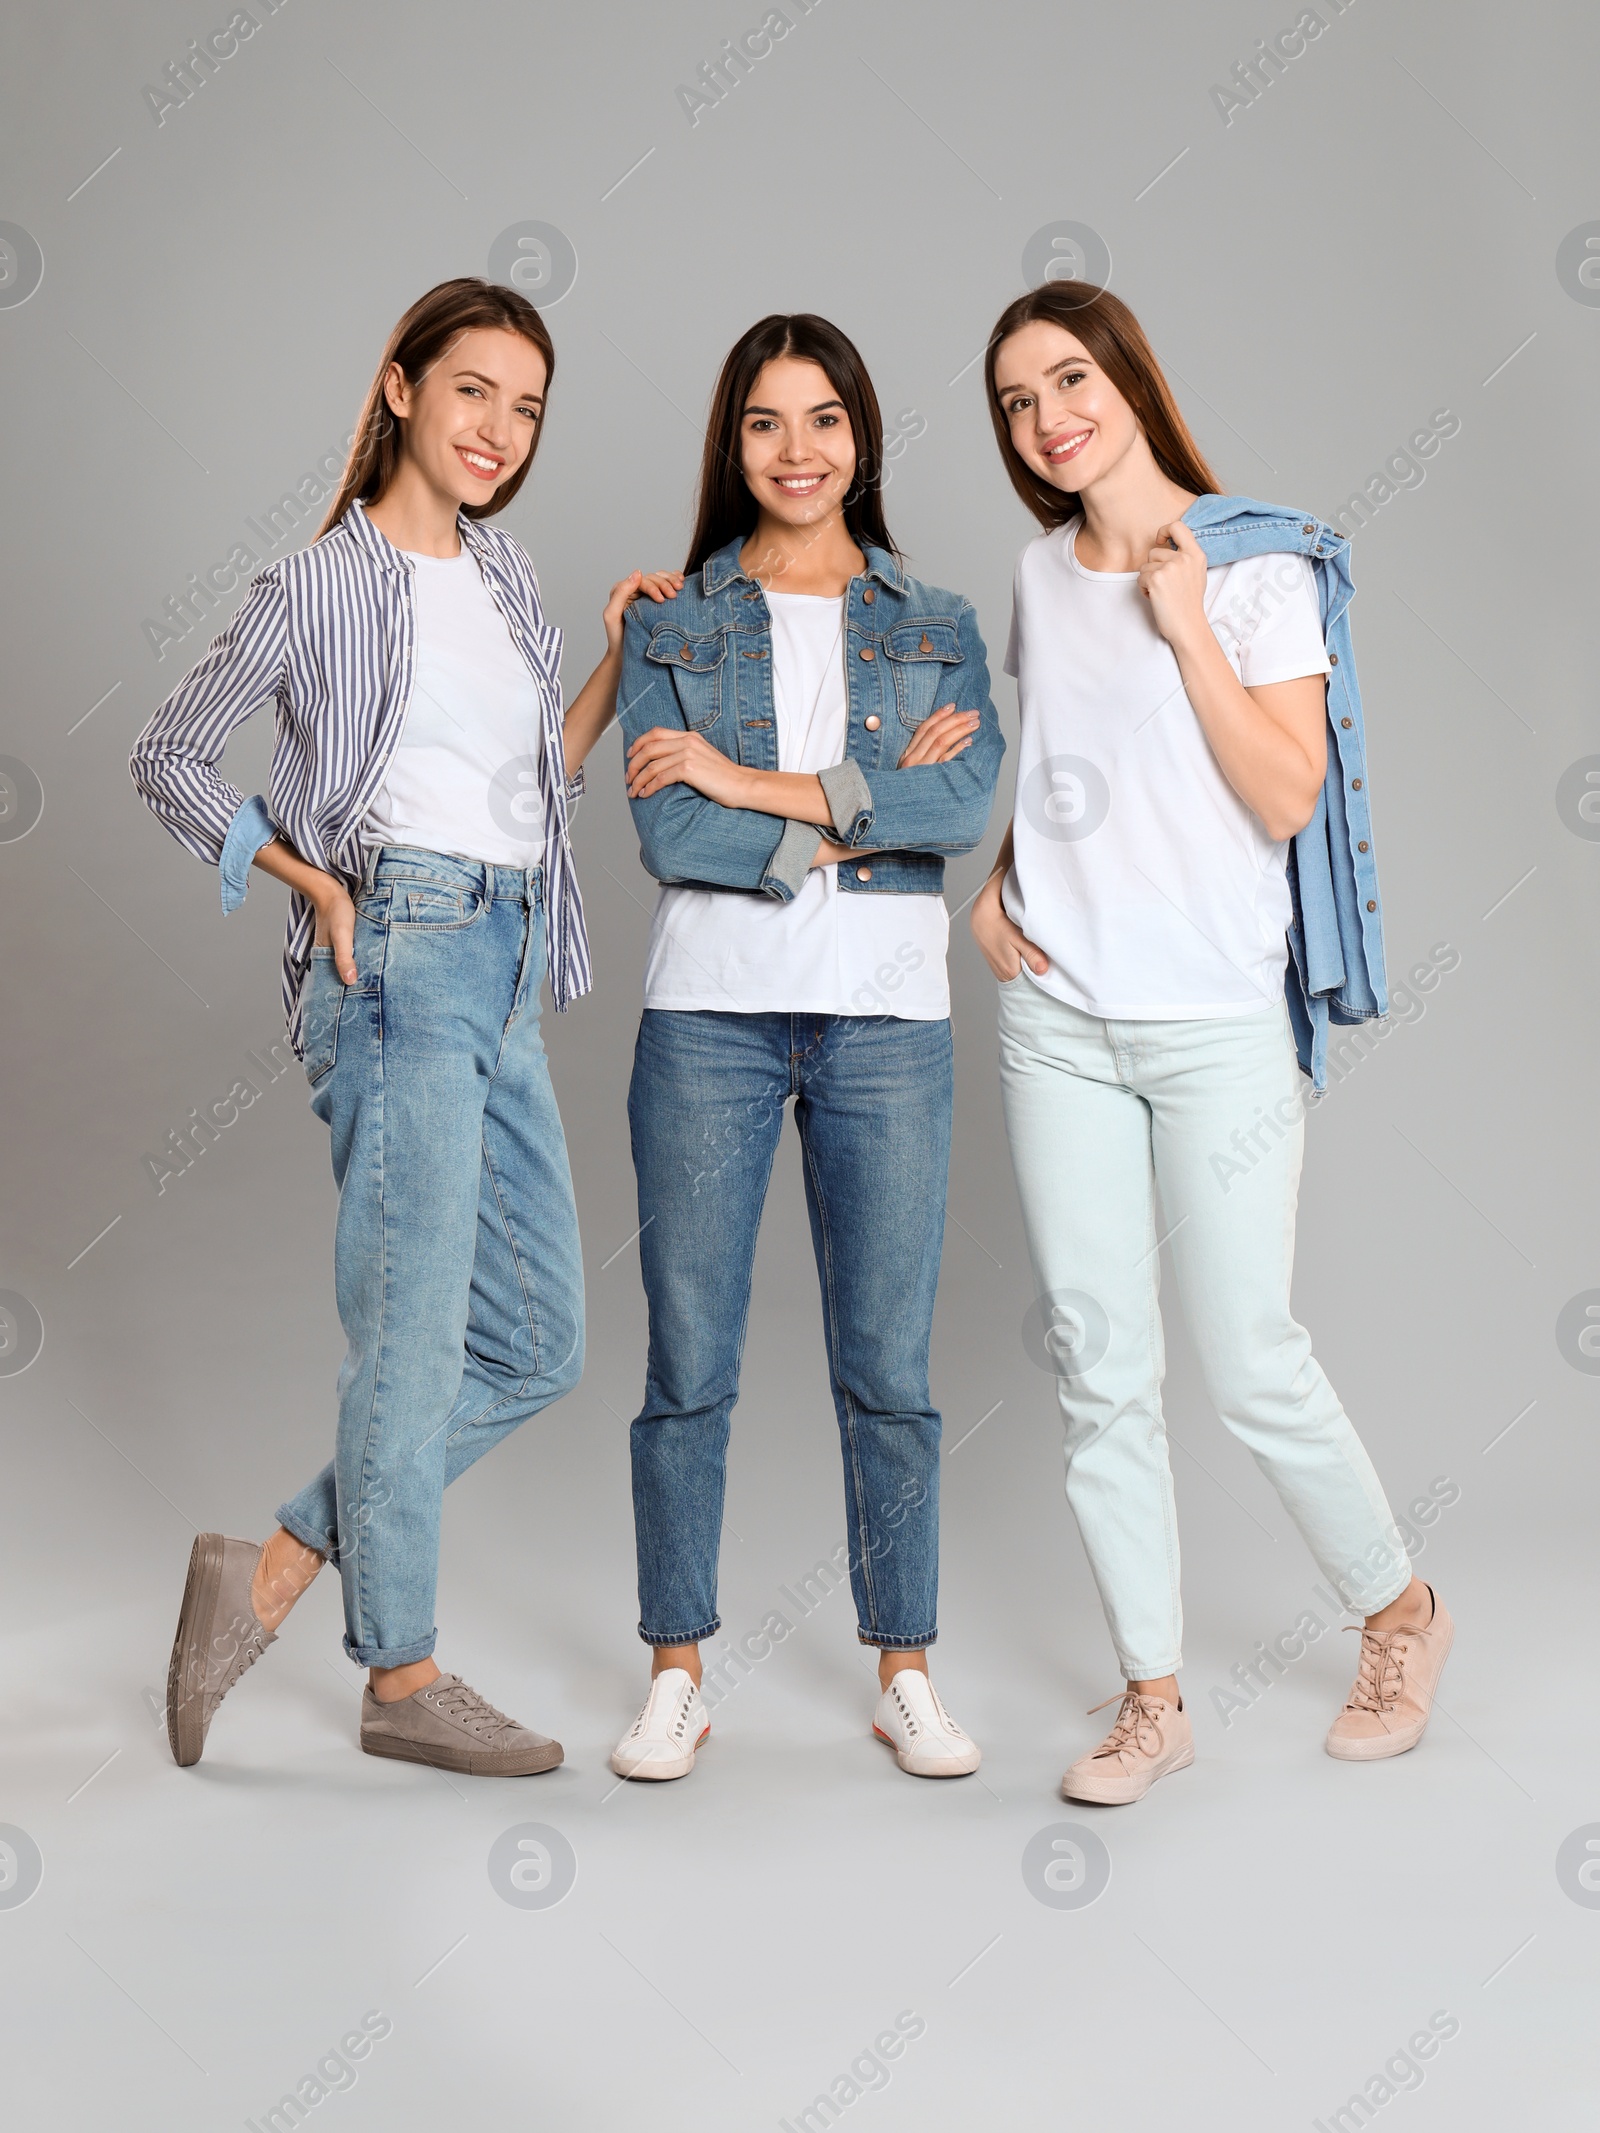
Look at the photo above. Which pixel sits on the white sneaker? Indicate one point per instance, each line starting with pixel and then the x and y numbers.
pixel 663 1738
pixel 926 1740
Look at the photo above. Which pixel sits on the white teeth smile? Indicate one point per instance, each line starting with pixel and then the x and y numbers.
pixel 476 459
pixel 1069 445
pixel 798 482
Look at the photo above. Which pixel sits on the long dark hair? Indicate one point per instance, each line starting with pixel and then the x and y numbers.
pixel 423 335
pixel 1116 340
pixel 726 509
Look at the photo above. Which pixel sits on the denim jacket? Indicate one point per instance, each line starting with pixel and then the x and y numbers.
pixel 704 661
pixel 1335 971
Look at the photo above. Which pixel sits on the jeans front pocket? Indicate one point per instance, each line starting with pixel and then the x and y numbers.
pixel 423 907
pixel 321 1000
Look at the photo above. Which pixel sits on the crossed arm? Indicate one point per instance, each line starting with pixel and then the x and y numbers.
pixel 671 755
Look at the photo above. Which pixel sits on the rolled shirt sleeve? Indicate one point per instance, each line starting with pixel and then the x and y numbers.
pixel 251 828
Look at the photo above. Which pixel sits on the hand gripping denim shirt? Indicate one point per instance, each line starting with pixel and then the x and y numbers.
pixel 1335 971
pixel 704 661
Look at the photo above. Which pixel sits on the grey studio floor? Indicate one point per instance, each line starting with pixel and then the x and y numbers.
pixel 798 1936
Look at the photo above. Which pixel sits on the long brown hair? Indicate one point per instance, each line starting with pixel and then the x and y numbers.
pixel 1116 340
pixel 423 335
pixel 726 509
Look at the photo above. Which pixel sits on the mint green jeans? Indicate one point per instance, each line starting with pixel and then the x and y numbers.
pixel 1102 1118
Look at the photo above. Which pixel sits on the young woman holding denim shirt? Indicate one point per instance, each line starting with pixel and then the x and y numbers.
pixel 420 780
pixel 1174 759
pixel 810 732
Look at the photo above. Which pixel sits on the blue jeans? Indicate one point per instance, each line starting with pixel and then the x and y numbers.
pixel 872 1104
pixel 456 1259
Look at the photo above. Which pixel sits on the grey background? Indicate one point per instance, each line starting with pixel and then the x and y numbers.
pixel 1373 240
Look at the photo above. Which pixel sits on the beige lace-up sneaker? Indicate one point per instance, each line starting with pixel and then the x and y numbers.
pixel 449 1726
pixel 219 1639
pixel 1398 1672
pixel 1150 1738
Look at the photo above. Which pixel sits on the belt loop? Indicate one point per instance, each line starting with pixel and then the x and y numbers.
pixel 369 868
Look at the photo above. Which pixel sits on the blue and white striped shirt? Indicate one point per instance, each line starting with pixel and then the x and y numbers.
pixel 328 637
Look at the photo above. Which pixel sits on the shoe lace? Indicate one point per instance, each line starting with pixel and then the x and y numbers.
pixel 456 1700
pixel 1139 1716
pixel 1381 1672
pixel 249 1640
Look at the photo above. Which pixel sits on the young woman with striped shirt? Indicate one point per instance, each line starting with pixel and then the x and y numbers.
pixel 421 774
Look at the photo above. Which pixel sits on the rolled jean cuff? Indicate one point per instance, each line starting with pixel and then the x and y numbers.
pixel 403 1655
pixel 849 799
pixel 876 1639
pixel 324 1544
pixel 688 1636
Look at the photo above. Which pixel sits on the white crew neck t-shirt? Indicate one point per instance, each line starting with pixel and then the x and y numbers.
pixel 822 952
pixel 464 777
pixel 1152 888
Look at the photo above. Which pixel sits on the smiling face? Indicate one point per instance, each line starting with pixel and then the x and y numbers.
pixel 1066 419
pixel 471 421
pixel 795 443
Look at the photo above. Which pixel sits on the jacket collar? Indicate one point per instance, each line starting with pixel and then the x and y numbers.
pixel 1302 531
pixel 382 551
pixel 724 568
pixel 1231 527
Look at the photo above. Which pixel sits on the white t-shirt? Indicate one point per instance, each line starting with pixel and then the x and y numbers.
pixel 822 952
pixel 1139 871
pixel 465 775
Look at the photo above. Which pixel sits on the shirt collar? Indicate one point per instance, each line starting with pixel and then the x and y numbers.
pixel 382 550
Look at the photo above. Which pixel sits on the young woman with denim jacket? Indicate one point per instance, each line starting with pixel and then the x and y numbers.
pixel 1172 668
pixel 418 813
pixel 810 734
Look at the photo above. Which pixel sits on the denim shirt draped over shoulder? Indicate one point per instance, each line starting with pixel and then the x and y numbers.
pixel 1335 971
pixel 704 662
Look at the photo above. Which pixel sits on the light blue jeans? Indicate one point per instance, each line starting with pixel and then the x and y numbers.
pixel 1101 1117
pixel 456 1258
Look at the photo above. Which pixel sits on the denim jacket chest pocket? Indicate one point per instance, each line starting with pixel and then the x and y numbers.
pixel 918 654
pixel 698 664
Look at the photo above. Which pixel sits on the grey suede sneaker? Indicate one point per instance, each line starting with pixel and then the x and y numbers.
pixel 219 1638
pixel 451 1727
